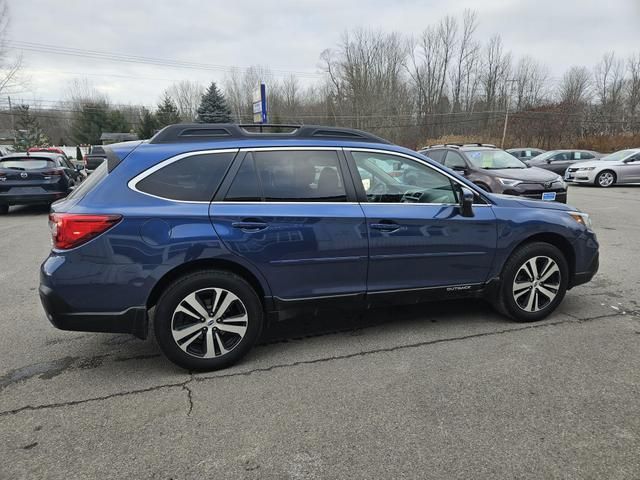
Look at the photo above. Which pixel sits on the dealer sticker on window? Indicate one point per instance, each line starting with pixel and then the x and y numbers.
pixel 549 196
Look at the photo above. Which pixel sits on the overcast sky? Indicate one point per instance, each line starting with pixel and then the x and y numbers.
pixel 286 35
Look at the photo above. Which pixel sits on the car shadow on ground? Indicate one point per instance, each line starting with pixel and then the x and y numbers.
pixel 28 210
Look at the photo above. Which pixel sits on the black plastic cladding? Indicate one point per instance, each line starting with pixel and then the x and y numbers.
pixel 207 132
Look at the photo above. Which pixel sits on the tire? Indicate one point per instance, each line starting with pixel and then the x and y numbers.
pixel 4 209
pixel 207 291
pixel 484 187
pixel 605 179
pixel 516 302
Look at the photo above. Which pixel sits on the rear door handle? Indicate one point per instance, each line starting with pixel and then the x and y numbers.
pixel 385 226
pixel 250 226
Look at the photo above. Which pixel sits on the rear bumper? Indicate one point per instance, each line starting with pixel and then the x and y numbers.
pixel 133 320
pixel 12 199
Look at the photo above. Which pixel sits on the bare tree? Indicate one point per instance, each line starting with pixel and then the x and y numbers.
pixel 609 82
pixel 633 83
pixel 497 65
pixel 186 94
pixel 531 80
pixel 11 78
pixel 575 85
pixel 464 68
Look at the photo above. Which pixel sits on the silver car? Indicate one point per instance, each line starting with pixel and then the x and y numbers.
pixel 619 167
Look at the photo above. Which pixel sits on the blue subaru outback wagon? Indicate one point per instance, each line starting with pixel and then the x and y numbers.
pixel 211 230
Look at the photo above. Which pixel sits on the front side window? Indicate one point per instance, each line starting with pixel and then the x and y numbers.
pixel 300 176
pixel 192 179
pixel 436 155
pixel 418 183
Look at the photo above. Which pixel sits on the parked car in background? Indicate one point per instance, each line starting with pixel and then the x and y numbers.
pixel 619 167
pixel 559 160
pixel 47 150
pixel 4 151
pixel 494 170
pixel 218 229
pixel 94 157
pixel 524 153
pixel 39 177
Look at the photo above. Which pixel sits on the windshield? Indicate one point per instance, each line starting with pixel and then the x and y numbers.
pixel 614 157
pixel 17 164
pixel 493 159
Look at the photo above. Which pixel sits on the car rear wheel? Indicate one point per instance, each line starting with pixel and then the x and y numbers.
pixel 208 320
pixel 534 282
pixel 606 179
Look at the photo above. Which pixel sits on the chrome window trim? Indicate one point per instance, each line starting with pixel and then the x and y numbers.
pixel 132 184
pixel 400 154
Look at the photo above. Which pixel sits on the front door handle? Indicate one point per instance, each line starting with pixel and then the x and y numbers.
pixel 387 226
pixel 250 226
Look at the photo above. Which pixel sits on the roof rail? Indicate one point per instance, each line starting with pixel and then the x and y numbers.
pixel 208 132
pixel 458 145
pixel 473 144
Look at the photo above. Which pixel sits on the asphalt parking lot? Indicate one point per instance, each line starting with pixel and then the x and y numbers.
pixel 444 390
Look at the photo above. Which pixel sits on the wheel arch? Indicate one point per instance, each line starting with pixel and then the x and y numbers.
pixel 205 264
pixel 558 241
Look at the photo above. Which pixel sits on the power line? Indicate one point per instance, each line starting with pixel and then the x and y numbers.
pixel 137 59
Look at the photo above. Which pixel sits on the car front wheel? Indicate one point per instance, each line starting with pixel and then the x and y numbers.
pixel 534 282
pixel 606 179
pixel 208 320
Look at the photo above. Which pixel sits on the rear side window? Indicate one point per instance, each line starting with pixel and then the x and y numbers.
pixel 92 180
pixel 191 179
pixel 300 176
pixel 437 155
pixel 245 186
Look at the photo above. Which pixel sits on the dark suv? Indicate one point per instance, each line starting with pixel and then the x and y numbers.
pixel 216 229
pixel 495 170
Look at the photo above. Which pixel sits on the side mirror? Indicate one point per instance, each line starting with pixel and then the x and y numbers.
pixel 548 161
pixel 466 202
pixel 460 169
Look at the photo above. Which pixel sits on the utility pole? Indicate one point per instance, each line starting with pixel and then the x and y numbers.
pixel 506 113
pixel 13 122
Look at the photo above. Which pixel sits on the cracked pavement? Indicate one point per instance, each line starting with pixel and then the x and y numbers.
pixel 436 390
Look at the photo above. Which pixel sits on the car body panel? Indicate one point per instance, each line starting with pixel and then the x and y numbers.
pixel 306 251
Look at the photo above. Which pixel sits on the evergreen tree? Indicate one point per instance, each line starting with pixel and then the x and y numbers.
pixel 167 113
pixel 27 131
pixel 89 122
pixel 148 124
pixel 117 122
pixel 213 107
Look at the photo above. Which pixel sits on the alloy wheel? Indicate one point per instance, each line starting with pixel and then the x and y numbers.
pixel 536 284
pixel 606 179
pixel 209 322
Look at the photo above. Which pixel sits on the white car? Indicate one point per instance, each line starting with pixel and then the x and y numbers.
pixel 619 167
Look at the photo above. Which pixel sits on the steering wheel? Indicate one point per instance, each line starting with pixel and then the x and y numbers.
pixel 379 188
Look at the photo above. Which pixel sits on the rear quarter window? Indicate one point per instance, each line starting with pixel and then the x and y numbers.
pixel 191 179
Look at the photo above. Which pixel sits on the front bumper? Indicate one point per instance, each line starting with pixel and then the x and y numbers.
pixel 561 195
pixel 583 277
pixel 580 176
pixel 133 320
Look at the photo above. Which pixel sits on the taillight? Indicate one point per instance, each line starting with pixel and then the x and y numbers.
pixel 70 230
pixel 52 173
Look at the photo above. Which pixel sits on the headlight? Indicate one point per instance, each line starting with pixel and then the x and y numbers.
pixel 582 218
pixel 509 182
pixel 586 168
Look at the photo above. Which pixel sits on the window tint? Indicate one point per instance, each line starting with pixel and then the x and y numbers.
pixel 92 180
pixel 417 184
pixel 454 159
pixel 194 178
pixel 300 176
pixel 561 156
pixel 436 155
pixel 245 187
